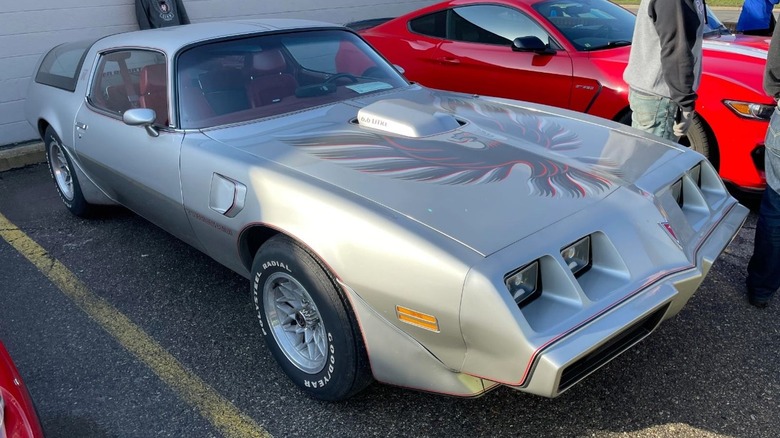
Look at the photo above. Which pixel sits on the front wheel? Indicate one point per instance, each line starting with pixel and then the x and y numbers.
pixel 700 139
pixel 64 175
pixel 307 323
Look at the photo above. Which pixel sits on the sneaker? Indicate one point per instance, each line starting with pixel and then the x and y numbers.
pixel 758 303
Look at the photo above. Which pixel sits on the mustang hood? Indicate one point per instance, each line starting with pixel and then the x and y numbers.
pixel 485 172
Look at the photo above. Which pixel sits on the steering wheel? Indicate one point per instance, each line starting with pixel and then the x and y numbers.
pixel 338 76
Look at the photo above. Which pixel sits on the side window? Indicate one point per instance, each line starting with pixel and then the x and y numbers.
pixel 128 79
pixel 60 67
pixel 492 24
pixel 434 25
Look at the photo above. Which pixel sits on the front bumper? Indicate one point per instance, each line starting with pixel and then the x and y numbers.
pixel 574 355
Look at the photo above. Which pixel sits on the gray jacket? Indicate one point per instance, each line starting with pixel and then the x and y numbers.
pixel 665 57
pixel 772 71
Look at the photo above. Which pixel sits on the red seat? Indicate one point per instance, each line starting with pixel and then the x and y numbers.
pixel 350 59
pixel 269 78
pixel 153 91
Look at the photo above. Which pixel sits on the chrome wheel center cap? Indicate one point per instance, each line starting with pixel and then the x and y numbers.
pixel 306 318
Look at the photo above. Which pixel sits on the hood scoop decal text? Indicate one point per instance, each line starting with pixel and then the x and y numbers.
pixel 401 117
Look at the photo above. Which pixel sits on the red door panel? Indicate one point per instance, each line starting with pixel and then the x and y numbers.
pixel 494 70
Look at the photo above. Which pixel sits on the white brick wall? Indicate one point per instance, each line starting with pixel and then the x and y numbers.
pixel 30 28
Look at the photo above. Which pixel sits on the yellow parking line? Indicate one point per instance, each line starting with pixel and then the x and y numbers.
pixel 212 406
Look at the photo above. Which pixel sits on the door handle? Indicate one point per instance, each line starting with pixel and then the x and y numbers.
pixel 80 125
pixel 448 60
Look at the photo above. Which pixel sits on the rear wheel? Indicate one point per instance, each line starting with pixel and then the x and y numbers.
pixel 307 323
pixel 699 138
pixel 64 175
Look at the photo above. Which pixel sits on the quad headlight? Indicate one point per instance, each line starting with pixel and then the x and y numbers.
pixel 750 110
pixel 577 256
pixel 523 283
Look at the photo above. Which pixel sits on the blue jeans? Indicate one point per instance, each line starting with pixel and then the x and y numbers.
pixel 764 268
pixel 653 114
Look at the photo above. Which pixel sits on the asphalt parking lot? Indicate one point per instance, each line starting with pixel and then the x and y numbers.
pixel 120 330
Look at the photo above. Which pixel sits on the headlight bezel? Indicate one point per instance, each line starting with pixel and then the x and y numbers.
pixel 581 254
pixel 515 279
pixel 750 110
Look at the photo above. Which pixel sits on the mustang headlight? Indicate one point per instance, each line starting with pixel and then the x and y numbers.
pixel 750 110
pixel 523 283
pixel 577 256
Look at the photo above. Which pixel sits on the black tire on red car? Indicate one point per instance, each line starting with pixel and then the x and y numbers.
pixel 701 140
pixel 307 323
pixel 64 175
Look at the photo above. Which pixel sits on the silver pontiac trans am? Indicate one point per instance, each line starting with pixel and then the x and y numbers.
pixel 444 242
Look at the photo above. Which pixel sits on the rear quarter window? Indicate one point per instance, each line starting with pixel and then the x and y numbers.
pixel 60 67
pixel 433 25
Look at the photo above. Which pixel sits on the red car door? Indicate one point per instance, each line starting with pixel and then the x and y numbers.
pixel 477 57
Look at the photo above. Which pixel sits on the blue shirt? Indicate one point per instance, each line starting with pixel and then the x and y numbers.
pixel 755 14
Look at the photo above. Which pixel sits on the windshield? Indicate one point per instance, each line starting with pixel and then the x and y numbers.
pixel 600 24
pixel 589 24
pixel 714 27
pixel 267 75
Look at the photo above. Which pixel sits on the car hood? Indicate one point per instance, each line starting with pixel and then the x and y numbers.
pixel 485 172
pixel 738 59
pixel 735 58
pixel 757 42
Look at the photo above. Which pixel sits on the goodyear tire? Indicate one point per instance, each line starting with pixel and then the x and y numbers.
pixel 307 323
pixel 64 175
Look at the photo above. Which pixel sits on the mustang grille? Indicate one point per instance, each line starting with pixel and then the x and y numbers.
pixel 610 349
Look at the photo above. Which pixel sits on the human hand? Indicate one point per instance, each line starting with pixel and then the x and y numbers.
pixel 682 122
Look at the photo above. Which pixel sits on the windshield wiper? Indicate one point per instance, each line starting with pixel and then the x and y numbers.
pixel 611 44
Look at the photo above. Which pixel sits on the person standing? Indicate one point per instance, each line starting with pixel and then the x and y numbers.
pixel 763 277
pixel 756 17
pixel 152 14
pixel 664 66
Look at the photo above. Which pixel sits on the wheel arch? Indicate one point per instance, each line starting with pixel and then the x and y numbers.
pixel 624 116
pixel 252 238
pixel 712 141
pixel 43 124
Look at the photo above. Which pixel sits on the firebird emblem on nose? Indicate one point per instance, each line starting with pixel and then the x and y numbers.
pixel 670 231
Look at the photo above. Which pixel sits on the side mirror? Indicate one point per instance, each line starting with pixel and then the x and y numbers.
pixel 531 44
pixel 141 117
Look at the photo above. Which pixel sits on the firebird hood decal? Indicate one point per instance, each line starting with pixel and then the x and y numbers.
pixel 506 170
pixel 468 155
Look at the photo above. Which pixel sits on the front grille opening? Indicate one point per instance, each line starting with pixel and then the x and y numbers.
pixel 610 349
pixel 757 155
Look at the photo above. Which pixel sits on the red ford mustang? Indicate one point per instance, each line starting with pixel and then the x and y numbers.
pixel 571 54
pixel 17 413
